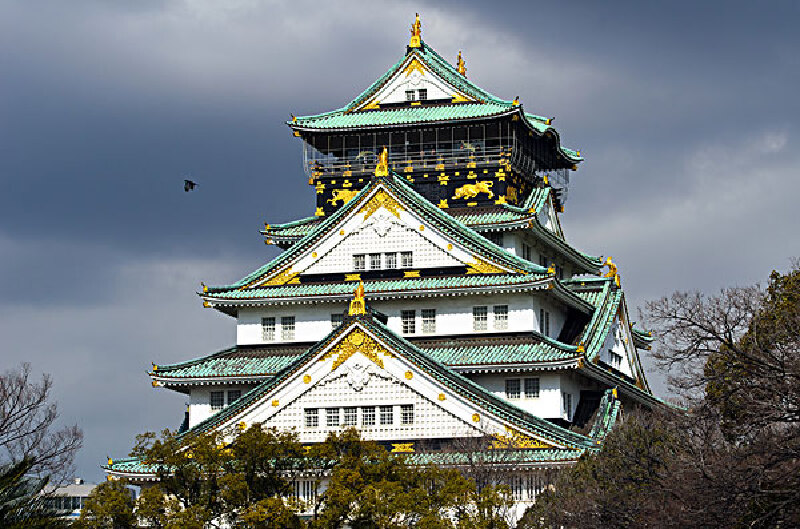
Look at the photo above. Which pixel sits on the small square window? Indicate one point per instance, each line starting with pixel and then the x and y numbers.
pixel 336 319
pixel 531 388
pixel 374 261
pixel 350 416
pixel 359 262
pixel 423 94
pixel 287 328
pixel 407 414
pixel 512 388
pixel 268 329
pixel 428 321
pixel 410 95
pixel 312 417
pixel 332 417
pixel 368 416
pixel 217 400
pixel 500 317
pixel 409 321
pixel 480 318
pixel 406 260
pixel 234 395
pixel 390 260
pixel 387 415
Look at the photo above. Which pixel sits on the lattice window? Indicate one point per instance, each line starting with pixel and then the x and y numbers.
pixel 234 395
pixel 615 359
pixel 350 416
pixel 390 260
pixel 480 317
pixel 407 414
pixel 500 317
pixel 336 319
pixel 332 417
pixel 512 388
pixel 368 416
pixel 374 261
pixel 423 94
pixel 287 328
pixel 428 321
pixel 406 259
pixel 359 262
pixel 544 322
pixel 217 400
pixel 387 415
pixel 268 329
pixel 409 320
pixel 532 388
pixel 311 417
pixel 410 95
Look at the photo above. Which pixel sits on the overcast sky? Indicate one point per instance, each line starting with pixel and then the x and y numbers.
pixel 686 112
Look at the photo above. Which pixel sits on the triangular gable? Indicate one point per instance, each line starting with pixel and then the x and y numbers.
pixel 386 203
pixel 361 352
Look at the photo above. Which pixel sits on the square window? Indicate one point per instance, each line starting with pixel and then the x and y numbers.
pixel 350 416
pixel 312 417
pixel 532 388
pixel 390 260
pixel 287 328
pixel 409 320
pixel 428 321
pixel 409 95
pixel 406 260
pixel 407 414
pixel 500 317
pixel 234 395
pixel 268 329
pixel 423 94
pixel 368 416
pixel 374 261
pixel 359 262
pixel 336 319
pixel 480 318
pixel 217 400
pixel 512 388
pixel 387 415
pixel 331 416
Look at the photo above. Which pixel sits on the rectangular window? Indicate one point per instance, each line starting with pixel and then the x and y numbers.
pixel 512 388
pixel 480 318
pixel 544 322
pixel 268 329
pixel 495 237
pixel 543 260
pixel 331 416
pixel 387 415
pixel 368 416
pixel 287 328
pixel 409 319
pixel 233 395
pixel 359 261
pixel 390 260
pixel 350 416
pixel 567 400
pixel 409 95
pixel 336 319
pixel 531 388
pixel 312 417
pixel 217 400
pixel 616 359
pixel 500 317
pixel 374 261
pixel 407 414
pixel 428 321
pixel 526 252
pixel 406 260
pixel 423 94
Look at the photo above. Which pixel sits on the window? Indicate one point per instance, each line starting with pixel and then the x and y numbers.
pixel 359 261
pixel 233 395
pixel 615 359
pixel 368 416
pixel 331 416
pixel 268 329
pixel 336 319
pixel 543 260
pixel 350 416
pixel 407 414
pixel 374 261
pixel 409 317
pixel 390 260
pixel 387 415
pixel 312 417
pixel 559 272
pixel 500 317
pixel 544 322
pixel 512 388
pixel 526 252
pixel 287 328
pixel 217 400
pixel 410 95
pixel 532 388
pixel 406 260
pixel 495 237
pixel 423 94
pixel 479 318
pixel 566 398
pixel 428 321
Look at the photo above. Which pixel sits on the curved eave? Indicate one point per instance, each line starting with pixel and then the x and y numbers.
pixel 625 387
pixel 516 367
pixel 207 381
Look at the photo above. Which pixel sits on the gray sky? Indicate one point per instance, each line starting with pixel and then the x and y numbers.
pixel 686 113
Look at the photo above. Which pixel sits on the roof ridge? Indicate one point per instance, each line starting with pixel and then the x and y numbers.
pixel 193 361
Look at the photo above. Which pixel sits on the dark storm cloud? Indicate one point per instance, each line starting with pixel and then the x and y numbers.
pixel 685 112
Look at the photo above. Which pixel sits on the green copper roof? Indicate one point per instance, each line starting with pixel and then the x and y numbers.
pixel 494 457
pixel 231 362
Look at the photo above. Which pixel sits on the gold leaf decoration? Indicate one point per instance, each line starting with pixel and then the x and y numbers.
pixel 515 439
pixel 381 199
pixel 356 341
pixel 482 267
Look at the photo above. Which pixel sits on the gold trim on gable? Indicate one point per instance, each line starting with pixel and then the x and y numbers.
pixel 378 200
pixel 515 439
pixel 356 341
pixel 483 267
pixel 287 276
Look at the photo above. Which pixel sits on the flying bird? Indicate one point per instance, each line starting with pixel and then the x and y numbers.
pixel 188 185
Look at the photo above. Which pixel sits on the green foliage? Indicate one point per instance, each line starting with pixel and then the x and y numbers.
pixel 21 505
pixel 109 506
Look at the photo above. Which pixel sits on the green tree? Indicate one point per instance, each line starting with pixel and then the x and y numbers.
pixel 109 506
pixel 21 504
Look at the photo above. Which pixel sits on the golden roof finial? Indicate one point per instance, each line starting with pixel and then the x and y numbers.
pixel 357 305
pixel 516 100
pixel 416 34
pixel 462 66
pixel 382 169
pixel 612 270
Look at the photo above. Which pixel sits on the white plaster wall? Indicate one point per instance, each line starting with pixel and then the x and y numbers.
pixel 618 341
pixel 395 89
pixel 200 400
pixel 548 405
pixel 312 322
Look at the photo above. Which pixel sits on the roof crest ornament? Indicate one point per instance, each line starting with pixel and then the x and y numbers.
pixel 416 34
pixel 462 66
pixel 612 270
pixel 357 305
pixel 382 169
